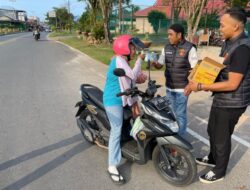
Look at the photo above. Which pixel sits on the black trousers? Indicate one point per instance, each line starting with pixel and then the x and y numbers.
pixel 220 129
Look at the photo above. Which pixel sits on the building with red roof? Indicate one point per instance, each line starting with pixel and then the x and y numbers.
pixel 144 26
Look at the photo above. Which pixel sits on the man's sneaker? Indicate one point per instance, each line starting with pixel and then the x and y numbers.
pixel 204 161
pixel 210 177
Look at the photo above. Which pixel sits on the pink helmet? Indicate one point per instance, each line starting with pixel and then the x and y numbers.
pixel 121 44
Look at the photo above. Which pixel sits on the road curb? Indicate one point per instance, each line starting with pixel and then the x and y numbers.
pixel 76 50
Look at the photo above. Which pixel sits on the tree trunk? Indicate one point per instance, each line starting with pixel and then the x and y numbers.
pixel 189 32
pixel 120 16
pixel 193 11
pixel 105 13
pixel 198 18
pixel 172 11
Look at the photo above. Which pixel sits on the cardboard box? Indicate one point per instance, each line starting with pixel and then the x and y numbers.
pixel 206 71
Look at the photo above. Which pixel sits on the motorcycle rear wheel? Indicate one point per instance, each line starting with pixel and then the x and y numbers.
pixel 85 115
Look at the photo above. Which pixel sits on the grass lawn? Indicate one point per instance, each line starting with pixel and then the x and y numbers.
pixel 62 33
pixel 100 52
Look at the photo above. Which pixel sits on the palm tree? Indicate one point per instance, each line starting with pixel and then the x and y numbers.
pixel 106 7
pixel 93 7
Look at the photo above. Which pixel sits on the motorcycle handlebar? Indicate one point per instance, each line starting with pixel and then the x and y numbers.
pixel 158 86
pixel 134 91
pixel 131 91
pixel 121 94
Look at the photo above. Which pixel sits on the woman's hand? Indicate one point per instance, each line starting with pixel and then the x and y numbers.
pixel 142 56
pixel 141 78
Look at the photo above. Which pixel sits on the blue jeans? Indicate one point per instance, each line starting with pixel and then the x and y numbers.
pixel 115 116
pixel 179 105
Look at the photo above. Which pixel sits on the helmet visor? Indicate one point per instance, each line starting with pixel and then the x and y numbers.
pixel 138 43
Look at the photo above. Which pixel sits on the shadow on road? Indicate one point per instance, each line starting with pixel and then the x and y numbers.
pixel 44 40
pixel 125 170
pixel 39 152
pixel 43 170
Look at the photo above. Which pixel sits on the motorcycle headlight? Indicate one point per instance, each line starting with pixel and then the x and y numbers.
pixel 173 126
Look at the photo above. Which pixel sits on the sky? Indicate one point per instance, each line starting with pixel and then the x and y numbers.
pixel 41 7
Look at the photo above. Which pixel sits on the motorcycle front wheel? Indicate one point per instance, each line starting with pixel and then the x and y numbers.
pixel 174 164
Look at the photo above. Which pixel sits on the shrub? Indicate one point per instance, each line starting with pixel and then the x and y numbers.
pixel 154 18
pixel 98 31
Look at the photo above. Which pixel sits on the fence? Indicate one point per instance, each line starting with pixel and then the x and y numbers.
pixel 135 20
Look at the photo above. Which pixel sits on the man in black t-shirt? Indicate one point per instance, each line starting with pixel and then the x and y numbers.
pixel 231 94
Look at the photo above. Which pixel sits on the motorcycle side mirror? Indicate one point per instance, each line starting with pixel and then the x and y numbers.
pixel 119 72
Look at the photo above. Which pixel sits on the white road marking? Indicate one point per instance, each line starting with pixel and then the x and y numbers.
pixel 8 41
pixel 204 140
pixel 12 39
pixel 240 140
pixel 199 137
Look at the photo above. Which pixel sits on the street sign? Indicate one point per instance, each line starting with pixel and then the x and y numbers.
pixel 52 14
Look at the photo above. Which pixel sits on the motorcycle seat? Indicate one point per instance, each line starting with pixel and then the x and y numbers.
pixel 96 95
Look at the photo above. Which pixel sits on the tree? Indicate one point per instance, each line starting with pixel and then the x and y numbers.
pixel 193 11
pixel 239 3
pixel 175 8
pixel 154 18
pixel 120 11
pixel 85 21
pixel 106 7
pixel 51 20
pixel 63 18
pixel 210 20
pixel 93 8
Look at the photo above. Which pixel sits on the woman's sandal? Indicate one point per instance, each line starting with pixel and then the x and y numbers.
pixel 120 180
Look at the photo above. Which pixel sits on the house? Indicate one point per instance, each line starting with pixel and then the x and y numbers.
pixel 13 18
pixel 13 15
pixel 144 26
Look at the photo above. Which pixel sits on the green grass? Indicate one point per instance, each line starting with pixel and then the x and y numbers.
pixel 62 33
pixel 100 52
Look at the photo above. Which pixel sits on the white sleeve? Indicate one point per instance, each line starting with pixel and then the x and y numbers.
pixel 137 67
pixel 131 73
pixel 193 57
pixel 161 59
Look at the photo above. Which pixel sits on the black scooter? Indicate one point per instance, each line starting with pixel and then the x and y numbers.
pixel 36 35
pixel 157 140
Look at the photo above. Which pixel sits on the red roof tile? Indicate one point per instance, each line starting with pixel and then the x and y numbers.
pixel 144 12
pixel 158 6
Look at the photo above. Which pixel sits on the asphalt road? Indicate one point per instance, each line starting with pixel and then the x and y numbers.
pixel 41 147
